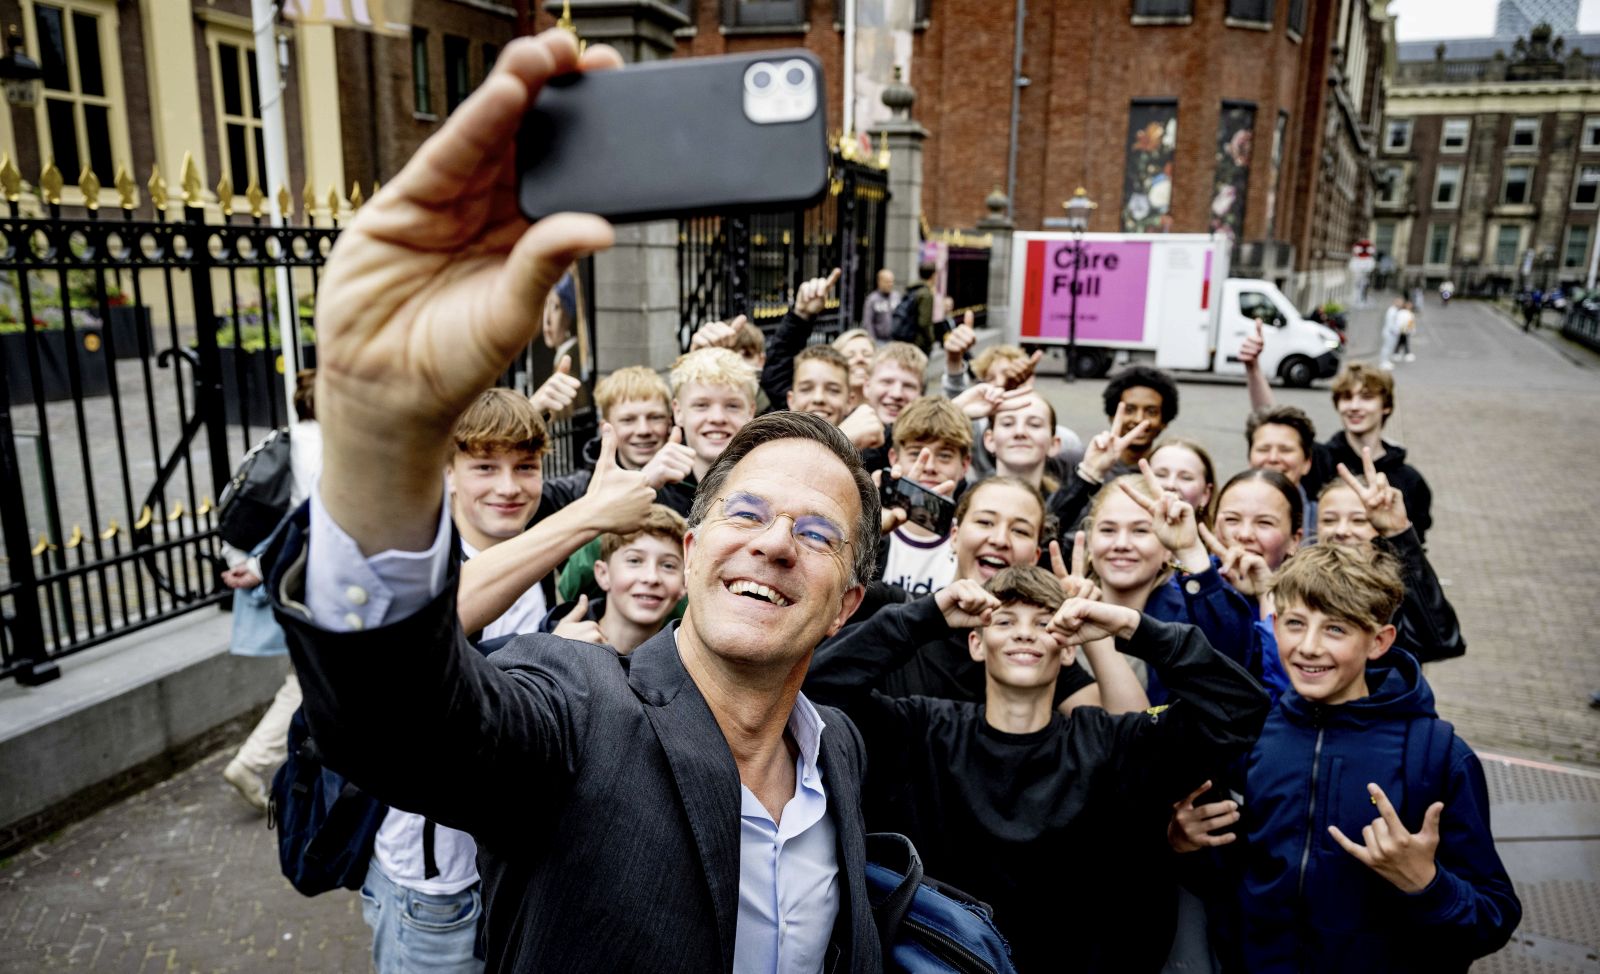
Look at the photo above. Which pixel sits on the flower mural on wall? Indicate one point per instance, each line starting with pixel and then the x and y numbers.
pixel 1147 179
pixel 1231 184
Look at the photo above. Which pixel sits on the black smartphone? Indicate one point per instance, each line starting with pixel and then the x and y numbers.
pixel 676 138
pixel 923 507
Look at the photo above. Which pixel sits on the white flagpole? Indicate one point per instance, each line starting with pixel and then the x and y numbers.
pixel 275 142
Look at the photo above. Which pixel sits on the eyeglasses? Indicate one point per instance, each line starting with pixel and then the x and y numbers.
pixel 811 531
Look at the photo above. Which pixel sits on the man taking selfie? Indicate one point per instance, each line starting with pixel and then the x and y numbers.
pixel 690 795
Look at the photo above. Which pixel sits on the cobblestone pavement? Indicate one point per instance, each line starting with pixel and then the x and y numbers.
pixel 1498 423
pixel 183 877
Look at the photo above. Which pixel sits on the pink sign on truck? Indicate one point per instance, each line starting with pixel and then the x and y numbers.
pixel 1112 278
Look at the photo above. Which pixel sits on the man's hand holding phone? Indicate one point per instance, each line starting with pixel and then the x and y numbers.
pixel 429 294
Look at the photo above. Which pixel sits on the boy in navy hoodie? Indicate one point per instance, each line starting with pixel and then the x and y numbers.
pixel 1365 819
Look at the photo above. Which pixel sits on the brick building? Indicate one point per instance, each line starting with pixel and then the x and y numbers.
pixel 136 83
pixel 1491 161
pixel 1255 118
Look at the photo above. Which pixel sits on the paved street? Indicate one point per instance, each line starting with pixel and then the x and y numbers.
pixel 183 877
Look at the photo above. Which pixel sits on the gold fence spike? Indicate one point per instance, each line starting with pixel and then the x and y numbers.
pixel 76 539
pixel 205 506
pixel 50 182
pixel 157 187
pixel 375 187
pixel 225 196
pixel 89 186
pixel 333 202
pixel 285 203
pixel 308 199
pixel 111 531
pixel 144 519
pixel 177 511
pixel 10 178
pixel 189 180
pixel 127 190
pixel 43 546
pixel 356 199
pixel 257 198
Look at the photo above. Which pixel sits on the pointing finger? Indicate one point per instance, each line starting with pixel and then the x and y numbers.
pixel 1190 798
pixel 1386 809
pixel 832 280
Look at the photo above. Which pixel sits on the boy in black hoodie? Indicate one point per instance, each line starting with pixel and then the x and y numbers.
pixel 1008 799
pixel 1365 819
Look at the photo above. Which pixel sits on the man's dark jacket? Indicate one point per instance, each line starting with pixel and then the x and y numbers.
pixel 601 792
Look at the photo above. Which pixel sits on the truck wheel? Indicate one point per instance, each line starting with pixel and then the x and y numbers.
pixel 1297 371
pixel 1091 364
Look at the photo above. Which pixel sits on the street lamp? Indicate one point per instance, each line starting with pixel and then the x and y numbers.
pixel 1078 209
pixel 20 73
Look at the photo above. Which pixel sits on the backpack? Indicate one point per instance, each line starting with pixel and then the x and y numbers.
pixel 257 497
pixel 905 325
pixel 925 925
pixel 326 825
pixel 1429 742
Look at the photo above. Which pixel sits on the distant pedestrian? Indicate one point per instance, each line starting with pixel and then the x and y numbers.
pixel 1391 331
pixel 878 314
pixel 1408 327
pixel 1532 306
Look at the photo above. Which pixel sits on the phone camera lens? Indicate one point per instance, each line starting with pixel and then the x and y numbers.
pixel 761 80
pixel 795 77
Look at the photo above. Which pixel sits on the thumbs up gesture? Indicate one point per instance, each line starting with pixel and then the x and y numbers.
pixel 672 462
pixel 558 392
pixel 578 626
pixel 617 500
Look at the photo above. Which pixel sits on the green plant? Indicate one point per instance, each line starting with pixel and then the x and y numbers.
pixel 1332 308
pixel 252 336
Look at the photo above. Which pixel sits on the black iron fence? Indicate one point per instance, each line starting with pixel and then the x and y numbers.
pixel 141 360
pixel 751 264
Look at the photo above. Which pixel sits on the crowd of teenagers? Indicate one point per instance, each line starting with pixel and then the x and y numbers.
pixel 641 716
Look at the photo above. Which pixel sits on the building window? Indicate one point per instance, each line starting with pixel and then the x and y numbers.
pixel 1586 190
pixel 1391 185
pixel 238 105
pixel 1253 11
pixel 1507 244
pixel 491 54
pixel 1297 17
pixel 1383 238
pixel 1447 187
pixel 1439 243
pixel 80 115
pixel 457 73
pixel 421 83
pixel 1577 248
pixel 1591 134
pixel 763 13
pixel 1163 9
pixel 1518 187
pixel 1524 134
pixel 1454 136
pixel 1397 138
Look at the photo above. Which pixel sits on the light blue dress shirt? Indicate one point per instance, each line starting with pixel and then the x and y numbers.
pixel 788 870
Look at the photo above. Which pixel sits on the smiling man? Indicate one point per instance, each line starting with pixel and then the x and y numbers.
pixel 1004 797
pixel 696 777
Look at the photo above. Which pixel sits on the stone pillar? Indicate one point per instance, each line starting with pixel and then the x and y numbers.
pixel 636 281
pixel 170 67
pixel 903 236
pixel 999 228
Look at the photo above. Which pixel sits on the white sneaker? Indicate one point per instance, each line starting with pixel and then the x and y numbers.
pixel 1386 366
pixel 249 784
pixel 1411 357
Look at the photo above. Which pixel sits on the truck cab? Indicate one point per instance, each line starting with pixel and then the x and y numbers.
pixel 1297 351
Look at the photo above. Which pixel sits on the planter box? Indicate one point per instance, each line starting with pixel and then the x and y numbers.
pixel 130 332
pixel 260 400
pixel 93 367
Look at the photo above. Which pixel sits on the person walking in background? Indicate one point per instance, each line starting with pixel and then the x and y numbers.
pixel 1408 327
pixel 1391 331
pixel 878 314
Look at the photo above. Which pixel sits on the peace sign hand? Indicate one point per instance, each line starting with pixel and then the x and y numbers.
pixel 1404 858
pixel 1172 520
pixel 430 292
pixel 1385 504
pixel 1245 570
pixel 1107 447
pixel 1074 584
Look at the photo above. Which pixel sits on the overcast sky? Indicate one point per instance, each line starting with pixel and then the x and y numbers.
pixel 1428 19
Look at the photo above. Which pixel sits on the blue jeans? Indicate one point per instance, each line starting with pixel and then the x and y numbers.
pixel 420 933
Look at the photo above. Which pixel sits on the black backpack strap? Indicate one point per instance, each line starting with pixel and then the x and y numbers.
pixel 895 852
pixel 1427 765
pixel 430 866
